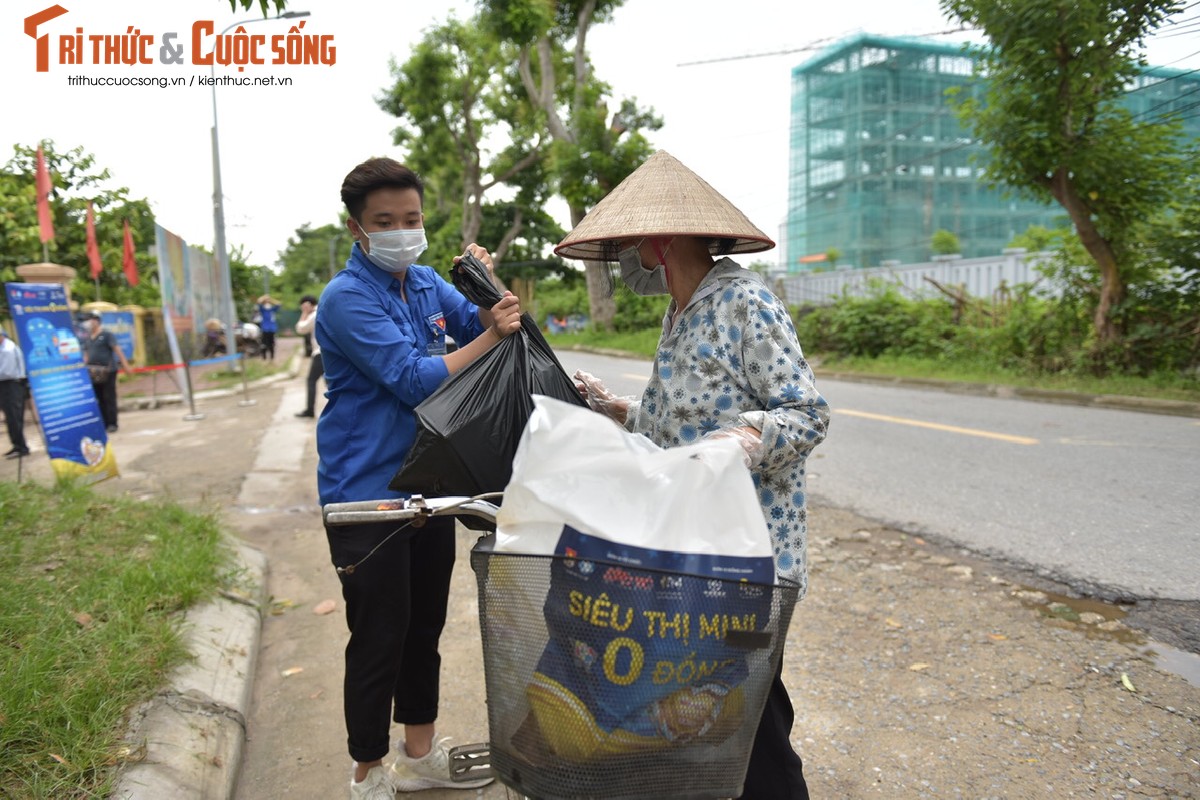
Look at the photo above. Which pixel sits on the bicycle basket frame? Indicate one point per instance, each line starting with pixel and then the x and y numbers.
pixel 705 728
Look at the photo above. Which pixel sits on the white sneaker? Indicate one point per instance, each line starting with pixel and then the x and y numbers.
pixel 431 771
pixel 376 786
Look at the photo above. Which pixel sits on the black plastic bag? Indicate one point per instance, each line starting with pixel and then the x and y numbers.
pixel 469 428
pixel 470 276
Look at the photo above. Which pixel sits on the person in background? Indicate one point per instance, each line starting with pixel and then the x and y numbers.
pixel 13 390
pixel 214 338
pixel 728 365
pixel 304 327
pixel 308 340
pixel 103 352
pixel 382 327
pixel 267 310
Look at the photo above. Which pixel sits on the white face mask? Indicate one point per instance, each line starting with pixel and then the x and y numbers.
pixel 396 250
pixel 645 282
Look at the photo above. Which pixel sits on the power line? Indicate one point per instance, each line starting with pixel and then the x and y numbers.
pixel 1187 30
pixel 1171 101
pixel 1170 62
pixel 1185 8
pixel 1189 107
pixel 816 44
pixel 1159 84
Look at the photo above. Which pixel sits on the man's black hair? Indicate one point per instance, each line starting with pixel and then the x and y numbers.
pixel 308 298
pixel 377 173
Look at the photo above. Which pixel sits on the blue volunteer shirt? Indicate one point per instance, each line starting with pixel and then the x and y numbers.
pixel 382 358
pixel 267 312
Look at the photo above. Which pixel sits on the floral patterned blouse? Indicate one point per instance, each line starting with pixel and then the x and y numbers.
pixel 732 359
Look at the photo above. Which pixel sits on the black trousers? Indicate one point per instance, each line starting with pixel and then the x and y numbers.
pixel 12 403
pixel 396 609
pixel 106 396
pixel 316 369
pixel 268 345
pixel 775 770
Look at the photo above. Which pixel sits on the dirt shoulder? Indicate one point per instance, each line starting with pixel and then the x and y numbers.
pixel 919 671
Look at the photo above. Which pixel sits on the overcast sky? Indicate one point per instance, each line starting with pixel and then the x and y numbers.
pixel 285 149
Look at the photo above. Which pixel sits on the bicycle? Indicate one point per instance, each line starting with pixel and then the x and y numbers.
pixel 683 728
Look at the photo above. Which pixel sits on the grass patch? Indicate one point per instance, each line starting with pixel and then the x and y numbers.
pixel 91 591
pixel 225 377
pixel 1163 387
pixel 255 368
pixel 639 344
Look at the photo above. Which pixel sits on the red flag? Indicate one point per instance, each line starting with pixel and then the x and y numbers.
pixel 128 262
pixel 44 187
pixel 93 250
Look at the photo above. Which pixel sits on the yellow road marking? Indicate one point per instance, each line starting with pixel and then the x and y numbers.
pixel 916 423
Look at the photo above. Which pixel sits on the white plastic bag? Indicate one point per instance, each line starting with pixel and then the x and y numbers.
pixel 576 467
pixel 661 557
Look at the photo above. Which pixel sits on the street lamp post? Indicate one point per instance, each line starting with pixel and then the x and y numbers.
pixel 219 248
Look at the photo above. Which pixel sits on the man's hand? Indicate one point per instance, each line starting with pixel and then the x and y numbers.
pixel 484 256
pixel 506 316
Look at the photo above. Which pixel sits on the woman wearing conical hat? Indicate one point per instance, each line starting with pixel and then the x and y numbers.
pixel 728 365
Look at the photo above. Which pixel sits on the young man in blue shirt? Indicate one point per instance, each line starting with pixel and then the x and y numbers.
pixel 381 326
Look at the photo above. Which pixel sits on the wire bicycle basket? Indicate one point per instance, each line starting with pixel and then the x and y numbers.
pixel 607 681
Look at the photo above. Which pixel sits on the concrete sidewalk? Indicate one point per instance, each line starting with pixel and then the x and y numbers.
pixel 916 670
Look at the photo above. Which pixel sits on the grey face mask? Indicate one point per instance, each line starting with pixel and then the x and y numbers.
pixel 645 282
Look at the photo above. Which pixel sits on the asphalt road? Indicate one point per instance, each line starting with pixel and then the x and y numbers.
pixel 1101 500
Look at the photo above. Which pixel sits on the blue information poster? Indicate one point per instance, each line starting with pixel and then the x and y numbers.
pixel 120 324
pixel 58 380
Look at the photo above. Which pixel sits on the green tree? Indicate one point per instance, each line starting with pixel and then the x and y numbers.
pixel 761 267
pixel 1172 238
pixel 310 260
pixel 1052 120
pixel 944 243
pixel 1037 238
pixel 456 97
pixel 77 179
pixel 832 256
pixel 245 282
pixel 592 148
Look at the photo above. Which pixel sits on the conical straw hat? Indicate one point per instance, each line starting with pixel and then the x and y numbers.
pixel 661 198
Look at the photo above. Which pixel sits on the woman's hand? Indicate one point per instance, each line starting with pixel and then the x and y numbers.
pixel 750 440
pixel 599 398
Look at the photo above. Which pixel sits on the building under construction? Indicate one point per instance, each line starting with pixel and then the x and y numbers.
pixel 879 160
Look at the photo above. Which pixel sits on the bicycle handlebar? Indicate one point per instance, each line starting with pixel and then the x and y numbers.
pixel 412 508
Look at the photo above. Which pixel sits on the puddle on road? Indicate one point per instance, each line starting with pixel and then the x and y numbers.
pixel 1087 614
pixel 1169 659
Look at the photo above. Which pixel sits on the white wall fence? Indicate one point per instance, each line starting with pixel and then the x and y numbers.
pixel 981 277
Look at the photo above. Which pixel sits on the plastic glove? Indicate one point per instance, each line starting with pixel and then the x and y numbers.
pixel 601 399
pixel 753 450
